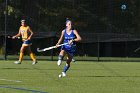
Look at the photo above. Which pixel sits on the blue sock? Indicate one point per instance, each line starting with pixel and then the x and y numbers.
pixel 65 68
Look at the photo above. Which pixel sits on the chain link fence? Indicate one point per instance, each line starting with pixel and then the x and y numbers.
pixel 109 28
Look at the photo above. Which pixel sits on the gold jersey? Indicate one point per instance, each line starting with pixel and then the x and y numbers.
pixel 24 32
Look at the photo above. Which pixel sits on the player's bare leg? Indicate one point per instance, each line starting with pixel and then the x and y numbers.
pixel 22 49
pixel 32 56
pixel 67 66
pixel 60 57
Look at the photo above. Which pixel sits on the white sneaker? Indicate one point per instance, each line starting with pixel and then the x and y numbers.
pixel 59 62
pixel 17 62
pixel 34 62
pixel 63 74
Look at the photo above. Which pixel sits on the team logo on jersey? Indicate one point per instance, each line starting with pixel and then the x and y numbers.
pixel 69 37
pixel 22 31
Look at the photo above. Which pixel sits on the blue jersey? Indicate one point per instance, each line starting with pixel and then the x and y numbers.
pixel 69 48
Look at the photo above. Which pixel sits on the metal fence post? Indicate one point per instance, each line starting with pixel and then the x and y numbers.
pixel 5 40
pixel 98 49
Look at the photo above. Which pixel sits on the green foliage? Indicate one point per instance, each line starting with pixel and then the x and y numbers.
pixel 49 15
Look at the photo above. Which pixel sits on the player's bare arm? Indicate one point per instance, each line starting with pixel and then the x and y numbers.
pixel 31 33
pixel 77 39
pixel 17 35
pixel 61 38
pixel 78 36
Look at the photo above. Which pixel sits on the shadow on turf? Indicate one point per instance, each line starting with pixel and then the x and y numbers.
pixel 15 68
pixel 110 76
pixel 29 68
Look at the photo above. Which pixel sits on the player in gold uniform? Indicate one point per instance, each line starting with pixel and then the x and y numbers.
pixel 24 31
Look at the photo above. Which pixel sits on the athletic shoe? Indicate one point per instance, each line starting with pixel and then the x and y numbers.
pixel 17 62
pixel 34 62
pixel 59 62
pixel 63 74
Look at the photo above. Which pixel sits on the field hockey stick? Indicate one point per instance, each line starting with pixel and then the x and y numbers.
pixel 137 49
pixel 49 48
pixel 11 37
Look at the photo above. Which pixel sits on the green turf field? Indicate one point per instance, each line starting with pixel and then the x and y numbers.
pixel 83 77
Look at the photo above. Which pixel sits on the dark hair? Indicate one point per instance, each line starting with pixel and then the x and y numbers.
pixel 68 20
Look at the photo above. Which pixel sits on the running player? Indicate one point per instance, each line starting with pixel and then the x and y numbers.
pixel 24 31
pixel 70 36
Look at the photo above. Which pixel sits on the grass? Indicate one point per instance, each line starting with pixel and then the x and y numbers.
pixel 83 77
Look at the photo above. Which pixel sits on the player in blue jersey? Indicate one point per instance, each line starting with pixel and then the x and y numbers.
pixel 69 36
